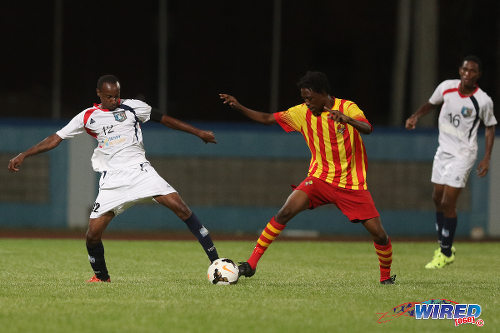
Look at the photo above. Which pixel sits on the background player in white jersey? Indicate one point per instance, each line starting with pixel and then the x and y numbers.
pixel 463 105
pixel 126 175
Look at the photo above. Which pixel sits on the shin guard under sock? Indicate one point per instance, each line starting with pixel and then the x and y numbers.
pixel 96 259
pixel 439 225
pixel 201 233
pixel 270 232
pixel 448 234
pixel 384 253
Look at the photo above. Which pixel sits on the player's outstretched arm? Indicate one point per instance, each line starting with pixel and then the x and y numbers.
pixel 46 144
pixel 171 122
pixel 260 117
pixel 411 122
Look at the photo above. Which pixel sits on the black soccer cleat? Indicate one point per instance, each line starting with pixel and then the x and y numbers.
pixel 245 269
pixel 389 280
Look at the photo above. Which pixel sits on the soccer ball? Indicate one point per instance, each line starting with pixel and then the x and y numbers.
pixel 223 271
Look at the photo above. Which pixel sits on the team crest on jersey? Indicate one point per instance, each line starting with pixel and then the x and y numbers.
pixel 466 112
pixel 340 128
pixel 120 116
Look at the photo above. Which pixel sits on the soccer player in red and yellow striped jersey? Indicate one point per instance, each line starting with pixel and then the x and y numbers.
pixel 332 129
pixel 337 150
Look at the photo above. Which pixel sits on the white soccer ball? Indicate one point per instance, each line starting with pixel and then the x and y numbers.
pixel 223 271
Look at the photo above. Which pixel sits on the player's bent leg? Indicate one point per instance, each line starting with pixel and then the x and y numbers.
pixel 376 230
pixel 95 247
pixel 296 202
pixel 383 248
pixel 97 226
pixel 175 203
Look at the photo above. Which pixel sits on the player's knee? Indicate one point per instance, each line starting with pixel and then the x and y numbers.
pixel 437 199
pixel 177 205
pixel 447 204
pixel 381 238
pixel 182 211
pixel 284 215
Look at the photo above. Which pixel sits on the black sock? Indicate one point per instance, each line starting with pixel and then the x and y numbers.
pixel 439 225
pixel 448 234
pixel 203 236
pixel 96 258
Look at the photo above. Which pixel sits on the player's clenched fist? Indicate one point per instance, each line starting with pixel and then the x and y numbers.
pixel 16 162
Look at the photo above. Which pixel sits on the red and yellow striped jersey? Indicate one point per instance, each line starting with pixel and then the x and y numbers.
pixel 338 155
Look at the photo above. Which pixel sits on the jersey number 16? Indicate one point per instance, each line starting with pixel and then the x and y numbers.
pixel 455 120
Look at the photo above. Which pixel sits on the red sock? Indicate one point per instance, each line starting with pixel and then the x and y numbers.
pixel 270 232
pixel 384 253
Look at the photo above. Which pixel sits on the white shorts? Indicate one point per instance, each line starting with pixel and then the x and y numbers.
pixel 121 189
pixel 448 169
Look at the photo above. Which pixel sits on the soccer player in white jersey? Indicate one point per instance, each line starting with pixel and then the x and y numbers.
pixel 464 104
pixel 126 175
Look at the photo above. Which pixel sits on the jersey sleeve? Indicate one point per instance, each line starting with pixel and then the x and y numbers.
pixel 73 128
pixel 289 120
pixel 141 109
pixel 356 113
pixel 437 95
pixel 487 115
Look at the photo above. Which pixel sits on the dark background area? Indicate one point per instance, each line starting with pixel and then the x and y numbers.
pixel 225 46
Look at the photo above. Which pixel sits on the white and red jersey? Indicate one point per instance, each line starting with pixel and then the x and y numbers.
pixel 459 117
pixel 118 133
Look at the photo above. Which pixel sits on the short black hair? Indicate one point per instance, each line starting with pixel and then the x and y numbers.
pixel 316 81
pixel 108 78
pixel 474 58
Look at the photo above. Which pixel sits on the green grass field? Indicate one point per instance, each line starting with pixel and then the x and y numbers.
pixel 161 286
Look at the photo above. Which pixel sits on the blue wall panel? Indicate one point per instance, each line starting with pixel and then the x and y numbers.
pixel 235 140
pixel 16 138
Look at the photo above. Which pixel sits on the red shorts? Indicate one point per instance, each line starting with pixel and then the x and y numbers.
pixel 357 205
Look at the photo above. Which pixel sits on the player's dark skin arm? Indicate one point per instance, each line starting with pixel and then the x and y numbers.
pixel 268 118
pixel 411 122
pixel 260 117
pixel 206 136
pixel 484 165
pixel 338 116
pixel 46 144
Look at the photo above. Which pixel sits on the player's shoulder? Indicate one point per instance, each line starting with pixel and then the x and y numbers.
pixel 482 96
pixel 298 108
pixel 94 107
pixel 482 93
pixel 344 101
pixel 343 104
pixel 449 84
pixel 133 103
pixel 88 111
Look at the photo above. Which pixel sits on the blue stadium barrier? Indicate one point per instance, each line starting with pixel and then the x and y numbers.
pixel 234 140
